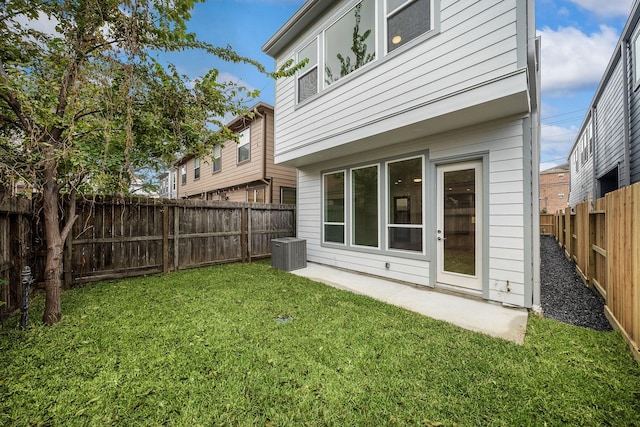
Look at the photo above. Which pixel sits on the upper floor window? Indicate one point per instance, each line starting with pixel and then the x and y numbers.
pixel 183 174
pixel 406 20
pixel 308 75
pixel 244 146
pixel 350 42
pixel 196 168
pixel 217 159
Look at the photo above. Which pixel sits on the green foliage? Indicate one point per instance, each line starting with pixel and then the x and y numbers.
pixel 205 347
pixel 92 98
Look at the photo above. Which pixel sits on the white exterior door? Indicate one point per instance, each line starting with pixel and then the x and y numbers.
pixel 459 225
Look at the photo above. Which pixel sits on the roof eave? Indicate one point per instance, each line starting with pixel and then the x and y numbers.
pixel 300 20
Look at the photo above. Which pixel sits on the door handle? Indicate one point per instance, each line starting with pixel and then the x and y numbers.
pixel 442 238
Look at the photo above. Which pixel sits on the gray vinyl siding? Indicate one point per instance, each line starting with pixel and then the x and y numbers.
pixel 581 179
pixel 477 43
pixel 609 124
pixel 634 122
pixel 502 144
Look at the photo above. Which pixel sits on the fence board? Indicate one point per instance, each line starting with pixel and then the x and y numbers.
pixel 604 242
pixel 547 224
pixel 116 238
pixel 15 245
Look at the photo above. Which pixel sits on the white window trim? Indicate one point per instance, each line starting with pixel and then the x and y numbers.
pixel 301 75
pixel 196 168
pixel 248 143
pixel 215 160
pixel 388 14
pixel 387 211
pixel 635 59
pixel 352 210
pixel 344 208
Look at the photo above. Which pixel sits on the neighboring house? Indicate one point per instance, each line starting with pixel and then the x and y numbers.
pixel 606 153
pixel 138 188
pixel 554 188
pixel 243 171
pixel 168 184
pixel 415 130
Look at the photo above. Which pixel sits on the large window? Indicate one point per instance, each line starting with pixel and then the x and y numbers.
pixel 405 190
pixel 244 146
pixel 364 206
pixel 217 159
pixel 308 75
pixel 406 20
pixel 333 218
pixel 383 204
pixel 350 42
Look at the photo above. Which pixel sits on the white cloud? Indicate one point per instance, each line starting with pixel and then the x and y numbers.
pixel 606 8
pixel 572 60
pixel 556 141
pixel 43 23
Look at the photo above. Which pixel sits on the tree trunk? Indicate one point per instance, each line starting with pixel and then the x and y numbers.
pixel 55 247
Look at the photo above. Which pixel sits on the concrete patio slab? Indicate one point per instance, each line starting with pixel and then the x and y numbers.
pixel 468 313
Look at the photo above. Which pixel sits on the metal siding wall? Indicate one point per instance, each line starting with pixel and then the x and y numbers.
pixel 610 125
pixel 634 113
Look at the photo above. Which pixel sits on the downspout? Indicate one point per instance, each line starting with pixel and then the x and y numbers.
pixel 594 184
pixel 263 176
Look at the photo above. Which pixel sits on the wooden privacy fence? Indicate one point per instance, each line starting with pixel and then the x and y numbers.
pixel 15 243
pixel 604 243
pixel 548 224
pixel 117 238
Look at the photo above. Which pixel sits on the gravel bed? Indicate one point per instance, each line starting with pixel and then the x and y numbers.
pixel 563 295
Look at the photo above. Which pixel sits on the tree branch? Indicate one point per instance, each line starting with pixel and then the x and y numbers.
pixel 12 101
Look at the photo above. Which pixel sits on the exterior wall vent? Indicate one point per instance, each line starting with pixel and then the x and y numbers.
pixel 288 253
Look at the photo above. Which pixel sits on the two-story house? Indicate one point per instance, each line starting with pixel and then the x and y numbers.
pixel 606 153
pixel 554 188
pixel 168 184
pixel 243 171
pixel 414 126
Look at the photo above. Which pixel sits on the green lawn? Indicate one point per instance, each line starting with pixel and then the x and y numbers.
pixel 207 347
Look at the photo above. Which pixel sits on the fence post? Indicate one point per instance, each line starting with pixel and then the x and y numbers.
pixel 165 238
pixel 176 236
pixel 591 272
pixel 243 233
pixel 249 234
pixel 68 257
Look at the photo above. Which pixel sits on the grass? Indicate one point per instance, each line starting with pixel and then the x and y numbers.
pixel 209 347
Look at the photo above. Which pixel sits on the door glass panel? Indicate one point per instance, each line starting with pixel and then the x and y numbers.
pixel 460 221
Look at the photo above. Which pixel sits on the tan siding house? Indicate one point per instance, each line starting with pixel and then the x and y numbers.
pixel 242 172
